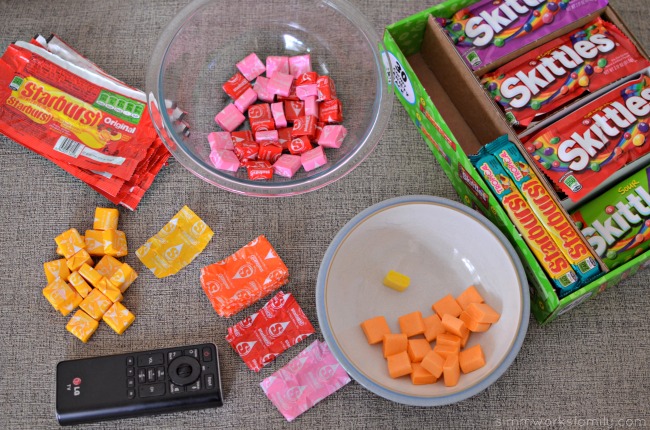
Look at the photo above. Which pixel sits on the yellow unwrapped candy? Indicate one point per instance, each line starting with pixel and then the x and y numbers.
pixel 175 246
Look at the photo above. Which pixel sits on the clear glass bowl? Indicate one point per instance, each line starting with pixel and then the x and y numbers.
pixel 197 53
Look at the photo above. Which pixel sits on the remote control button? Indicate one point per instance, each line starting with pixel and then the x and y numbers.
pixel 130 371
pixel 196 386
pixel 150 359
pixel 160 373
pixel 194 352
pixel 175 389
pixel 130 361
pixel 207 354
pixel 142 376
pixel 152 390
pixel 151 374
pixel 130 382
pixel 209 381
pixel 172 355
pixel 130 393
pixel 184 370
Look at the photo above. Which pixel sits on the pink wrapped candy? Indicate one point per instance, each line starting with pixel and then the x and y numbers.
pixel 229 118
pixel 224 160
pixel 261 87
pixel 266 136
pixel 304 91
pixel 313 159
pixel 311 107
pixel 332 136
pixel 220 140
pixel 251 67
pixel 277 109
pixel 287 165
pixel 276 64
pixel 299 64
pixel 245 100
pixel 309 378
pixel 280 84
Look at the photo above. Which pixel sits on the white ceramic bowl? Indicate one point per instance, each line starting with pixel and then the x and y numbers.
pixel 443 247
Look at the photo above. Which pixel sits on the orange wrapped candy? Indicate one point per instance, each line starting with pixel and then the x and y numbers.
pixel 243 278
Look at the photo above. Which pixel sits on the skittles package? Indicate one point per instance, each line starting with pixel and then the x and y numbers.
pixel 562 70
pixel 491 29
pixel 584 148
pixel 617 223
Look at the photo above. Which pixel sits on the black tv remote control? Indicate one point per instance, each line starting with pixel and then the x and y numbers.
pixel 141 383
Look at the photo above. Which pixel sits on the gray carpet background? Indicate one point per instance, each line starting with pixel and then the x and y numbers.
pixel 589 369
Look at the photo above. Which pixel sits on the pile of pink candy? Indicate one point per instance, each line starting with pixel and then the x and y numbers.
pixel 284 134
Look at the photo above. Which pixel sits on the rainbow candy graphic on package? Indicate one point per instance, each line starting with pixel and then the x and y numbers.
pixel 544 248
pixel 617 223
pixel 491 29
pixel 552 75
pixel 585 147
pixel 546 209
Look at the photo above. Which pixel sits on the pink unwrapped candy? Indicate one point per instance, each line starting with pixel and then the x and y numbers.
pixel 306 380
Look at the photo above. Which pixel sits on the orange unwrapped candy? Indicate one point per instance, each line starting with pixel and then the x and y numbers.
pixel 243 278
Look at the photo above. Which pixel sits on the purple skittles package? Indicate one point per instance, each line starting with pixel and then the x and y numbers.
pixel 491 29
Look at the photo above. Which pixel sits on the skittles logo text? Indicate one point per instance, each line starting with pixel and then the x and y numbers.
pixel 610 121
pixel 557 64
pixel 484 27
pixel 624 216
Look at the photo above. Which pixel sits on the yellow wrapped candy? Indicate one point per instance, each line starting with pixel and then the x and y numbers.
pixel 109 290
pixel 90 274
pixel 56 269
pixel 121 247
pixel 107 266
pixel 79 259
pixel 123 277
pixel 79 284
pixel 118 318
pixel 114 243
pixel 96 304
pixel 59 251
pixel 105 219
pixel 183 238
pixel 94 240
pixel 70 242
pixel 82 325
pixel 62 296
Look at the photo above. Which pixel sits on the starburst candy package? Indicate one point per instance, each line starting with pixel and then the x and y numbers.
pixel 306 380
pixel 244 277
pixel 489 30
pixel 83 120
pixel 261 337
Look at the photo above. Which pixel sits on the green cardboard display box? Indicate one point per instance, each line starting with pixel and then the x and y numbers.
pixel 456 117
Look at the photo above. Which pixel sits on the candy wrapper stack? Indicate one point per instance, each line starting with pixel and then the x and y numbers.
pixel 60 105
pixel 299 115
